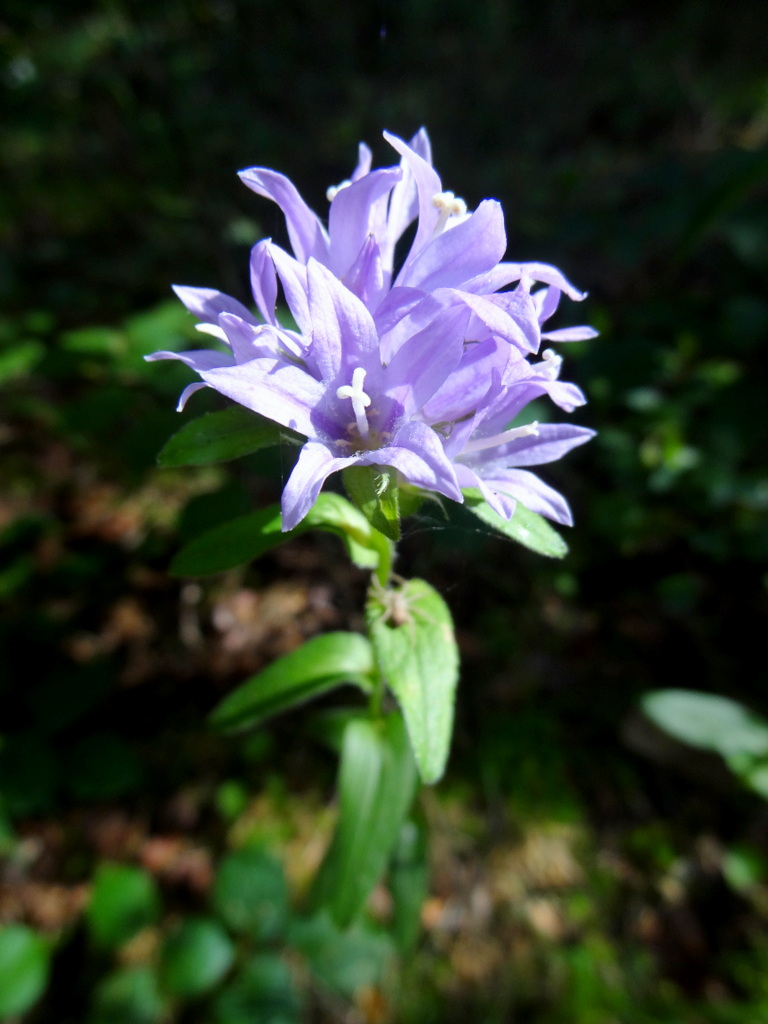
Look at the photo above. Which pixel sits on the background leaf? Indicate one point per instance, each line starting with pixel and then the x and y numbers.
pixel 263 991
pixel 196 957
pixel 128 996
pixel 124 900
pixel 412 634
pixel 23 969
pixel 250 894
pixel 708 721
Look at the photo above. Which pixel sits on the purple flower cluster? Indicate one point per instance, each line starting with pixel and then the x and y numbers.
pixel 419 370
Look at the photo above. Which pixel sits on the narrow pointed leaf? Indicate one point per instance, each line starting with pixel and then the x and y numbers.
pixel 234 543
pixel 248 537
pixel 219 437
pixel 321 664
pixel 415 647
pixel 526 527
pixel 377 781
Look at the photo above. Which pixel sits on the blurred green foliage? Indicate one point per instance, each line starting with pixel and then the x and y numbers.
pixel 582 869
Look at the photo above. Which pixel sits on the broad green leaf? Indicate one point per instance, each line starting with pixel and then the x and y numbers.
pixel 709 721
pixel 375 493
pixel 345 961
pixel 128 996
pixel 196 957
pixel 526 527
pixel 377 780
pixel 220 436
pixel 123 901
pixel 23 969
pixel 243 539
pixel 250 894
pixel 415 647
pixel 321 664
pixel 262 992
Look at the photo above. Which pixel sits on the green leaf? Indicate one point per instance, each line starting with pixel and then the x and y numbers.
pixel 375 493
pixel 243 539
pixel 102 766
pixel 318 666
pixel 221 436
pixel 128 996
pixel 412 634
pixel 377 780
pixel 23 969
pixel 344 961
pixel 744 868
pixel 263 991
pixel 333 513
pixel 709 721
pixel 196 957
pixel 20 360
pixel 526 527
pixel 123 901
pixel 408 881
pixel 250 894
pixel 234 543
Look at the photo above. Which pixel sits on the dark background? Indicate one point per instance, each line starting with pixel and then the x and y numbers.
pixel 629 146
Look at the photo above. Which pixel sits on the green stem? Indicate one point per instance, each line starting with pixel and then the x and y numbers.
pixel 387 551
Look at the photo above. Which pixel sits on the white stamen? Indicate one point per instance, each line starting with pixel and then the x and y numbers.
pixel 526 281
pixel 550 364
pixel 333 190
pixel 449 205
pixel 360 401
pixel 213 329
pixel 529 430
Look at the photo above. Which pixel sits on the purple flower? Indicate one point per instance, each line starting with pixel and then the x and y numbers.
pixel 419 372
pixel 353 409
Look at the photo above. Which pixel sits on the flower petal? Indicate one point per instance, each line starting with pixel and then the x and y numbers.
pixel 341 325
pixel 460 253
pixel 264 280
pixel 422 363
pixel 354 213
pixel 313 467
pixel 207 303
pixel 532 492
pixel 550 444
pixel 427 185
pixel 416 452
pixel 305 230
pixel 284 393
pixel 198 359
pixel 507 273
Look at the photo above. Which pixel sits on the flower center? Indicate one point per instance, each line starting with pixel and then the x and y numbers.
pixel 448 205
pixel 478 445
pixel 360 400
